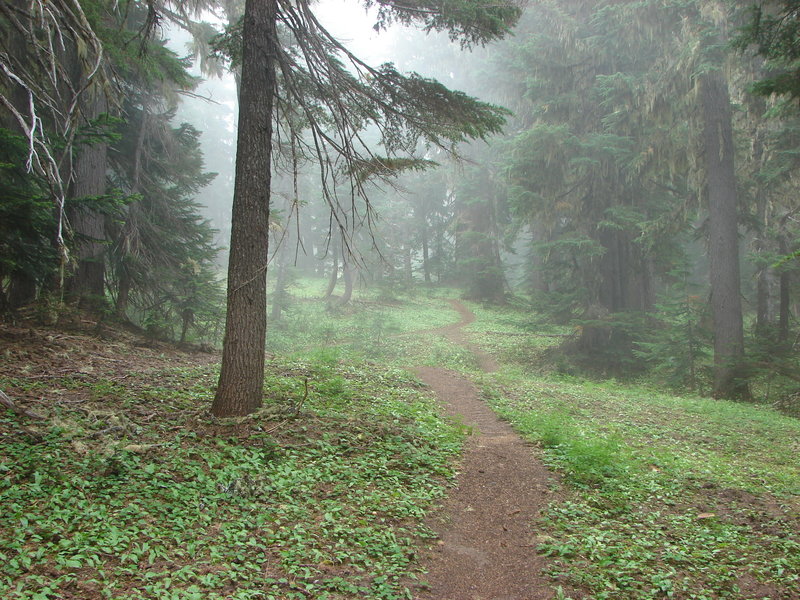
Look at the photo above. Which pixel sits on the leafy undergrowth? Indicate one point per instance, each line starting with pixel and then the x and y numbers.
pixel 667 496
pixel 127 489
pixel 671 497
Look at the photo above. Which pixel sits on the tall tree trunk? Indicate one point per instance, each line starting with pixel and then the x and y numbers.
pixel 536 278
pixel 760 245
pixel 241 380
pixel 476 248
pixel 21 290
pixel 408 272
pixel 426 267
pixel 723 247
pixel 87 283
pixel 785 296
pixel 123 294
pixel 763 275
pixel 187 320
pixel 125 278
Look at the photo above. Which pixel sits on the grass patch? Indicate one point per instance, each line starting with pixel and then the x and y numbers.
pixel 515 336
pixel 130 491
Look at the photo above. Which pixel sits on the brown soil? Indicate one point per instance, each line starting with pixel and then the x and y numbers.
pixel 487 532
pixel 37 360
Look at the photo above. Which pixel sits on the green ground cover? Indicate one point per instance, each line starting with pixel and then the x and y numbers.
pixel 131 491
pixel 140 495
pixel 666 496
pixel 515 335
pixel 371 327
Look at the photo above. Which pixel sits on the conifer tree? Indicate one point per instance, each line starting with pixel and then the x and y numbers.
pixel 159 249
pixel 314 83
pixel 27 231
pixel 53 85
pixel 589 170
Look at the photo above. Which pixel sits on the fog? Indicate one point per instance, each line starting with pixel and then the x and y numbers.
pixel 623 170
pixel 574 221
pixel 590 200
pixel 212 107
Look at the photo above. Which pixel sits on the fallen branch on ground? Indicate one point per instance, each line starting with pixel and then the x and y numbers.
pixel 9 404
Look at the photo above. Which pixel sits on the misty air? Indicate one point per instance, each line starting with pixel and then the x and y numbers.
pixel 447 300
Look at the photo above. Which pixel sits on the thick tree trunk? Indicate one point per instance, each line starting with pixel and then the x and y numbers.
pixel 87 284
pixel 723 248
pixel 21 291
pixel 241 380
pixel 187 320
pixel 123 294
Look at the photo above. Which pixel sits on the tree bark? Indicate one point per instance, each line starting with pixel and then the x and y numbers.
pixel 785 296
pixel 762 277
pixel 348 276
pixel 123 294
pixel 241 380
pixel 334 278
pixel 536 279
pixel 426 267
pixel 723 248
pixel 124 278
pixel 760 243
pixel 21 291
pixel 408 272
pixel 476 244
pixel 87 284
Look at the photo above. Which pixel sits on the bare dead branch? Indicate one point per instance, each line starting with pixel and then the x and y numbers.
pixel 9 404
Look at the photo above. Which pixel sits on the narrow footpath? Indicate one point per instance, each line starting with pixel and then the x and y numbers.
pixel 487 540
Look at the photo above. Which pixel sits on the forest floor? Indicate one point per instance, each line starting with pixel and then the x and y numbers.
pixel 116 483
pixel 487 539
pixel 127 489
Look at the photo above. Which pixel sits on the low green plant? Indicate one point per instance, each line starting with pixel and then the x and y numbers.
pixel 322 498
pixel 670 496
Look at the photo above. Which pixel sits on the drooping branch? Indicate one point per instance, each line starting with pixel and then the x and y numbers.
pixel 43 97
pixel 329 99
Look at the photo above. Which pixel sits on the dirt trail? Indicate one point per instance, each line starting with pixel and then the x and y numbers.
pixel 487 543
